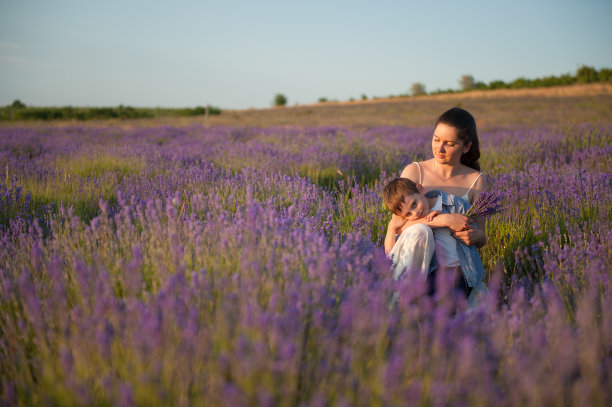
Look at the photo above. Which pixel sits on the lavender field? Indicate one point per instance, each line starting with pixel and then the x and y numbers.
pixel 244 266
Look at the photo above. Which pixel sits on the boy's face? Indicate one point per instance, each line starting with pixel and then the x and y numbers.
pixel 415 206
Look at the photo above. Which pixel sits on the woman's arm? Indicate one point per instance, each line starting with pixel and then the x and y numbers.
pixel 477 237
pixel 453 221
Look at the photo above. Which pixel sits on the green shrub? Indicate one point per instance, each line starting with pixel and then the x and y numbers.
pixel 586 74
pixel 199 111
pixel 17 104
pixel 280 100
pixel 498 84
pixel 604 75
pixel 18 111
pixel 417 89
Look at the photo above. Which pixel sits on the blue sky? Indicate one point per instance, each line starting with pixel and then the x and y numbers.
pixel 239 54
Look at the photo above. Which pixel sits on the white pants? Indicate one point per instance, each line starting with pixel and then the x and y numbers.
pixel 413 250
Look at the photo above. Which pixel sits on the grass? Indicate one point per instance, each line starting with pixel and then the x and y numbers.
pixel 81 181
pixel 98 165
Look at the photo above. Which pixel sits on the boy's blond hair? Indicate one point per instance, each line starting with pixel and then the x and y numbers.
pixel 396 190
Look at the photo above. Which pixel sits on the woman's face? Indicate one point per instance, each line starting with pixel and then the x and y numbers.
pixel 446 146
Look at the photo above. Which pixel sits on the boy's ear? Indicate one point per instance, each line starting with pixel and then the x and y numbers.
pixel 420 188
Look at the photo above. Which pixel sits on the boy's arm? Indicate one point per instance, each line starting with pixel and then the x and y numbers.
pixel 389 239
pixel 393 229
pixel 432 215
pixel 454 221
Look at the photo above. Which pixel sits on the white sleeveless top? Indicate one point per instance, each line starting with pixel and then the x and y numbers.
pixel 465 197
pixel 446 244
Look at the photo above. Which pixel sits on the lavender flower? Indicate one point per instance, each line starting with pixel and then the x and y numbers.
pixel 488 203
pixel 233 265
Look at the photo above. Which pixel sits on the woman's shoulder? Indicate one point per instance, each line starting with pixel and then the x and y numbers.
pixel 479 183
pixel 411 171
pixel 476 176
pixel 469 170
pixel 414 170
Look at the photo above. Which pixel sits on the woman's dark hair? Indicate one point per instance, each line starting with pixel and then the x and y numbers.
pixel 465 124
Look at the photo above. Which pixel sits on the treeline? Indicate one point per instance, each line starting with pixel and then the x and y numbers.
pixel 584 74
pixel 19 111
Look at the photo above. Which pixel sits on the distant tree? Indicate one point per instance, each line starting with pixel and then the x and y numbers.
pixel 280 100
pixel 466 82
pixel 440 91
pixel 18 104
pixel 322 99
pixel 604 75
pixel 586 74
pixel 567 79
pixel 498 84
pixel 364 96
pixel 417 89
pixel 521 83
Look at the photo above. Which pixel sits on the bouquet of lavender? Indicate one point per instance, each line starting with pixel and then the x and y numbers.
pixel 488 203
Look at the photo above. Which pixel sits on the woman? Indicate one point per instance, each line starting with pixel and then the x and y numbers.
pixel 453 169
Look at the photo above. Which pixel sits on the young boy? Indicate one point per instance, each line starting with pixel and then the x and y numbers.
pixel 408 201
